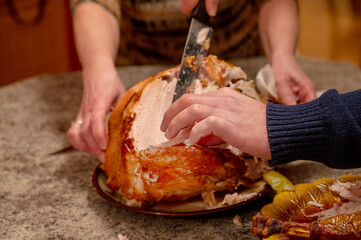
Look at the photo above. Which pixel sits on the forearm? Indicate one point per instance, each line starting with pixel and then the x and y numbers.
pixel 279 27
pixel 325 130
pixel 96 35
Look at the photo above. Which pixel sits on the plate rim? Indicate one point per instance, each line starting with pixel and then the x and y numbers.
pixel 98 169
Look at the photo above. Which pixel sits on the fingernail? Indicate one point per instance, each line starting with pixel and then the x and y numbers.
pixel 103 145
pixel 213 11
pixel 161 127
pixel 166 134
pixel 102 158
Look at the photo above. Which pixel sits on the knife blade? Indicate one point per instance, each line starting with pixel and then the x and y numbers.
pixel 61 151
pixel 195 50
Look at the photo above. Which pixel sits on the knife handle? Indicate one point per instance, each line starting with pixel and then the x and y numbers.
pixel 200 12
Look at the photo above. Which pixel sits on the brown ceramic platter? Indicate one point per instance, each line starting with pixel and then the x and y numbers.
pixel 191 207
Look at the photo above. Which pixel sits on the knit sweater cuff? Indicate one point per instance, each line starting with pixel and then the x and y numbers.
pixel 296 132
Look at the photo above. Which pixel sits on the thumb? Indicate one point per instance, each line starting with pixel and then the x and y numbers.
pixel 211 6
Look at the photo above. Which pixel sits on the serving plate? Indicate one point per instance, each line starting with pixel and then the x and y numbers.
pixel 190 207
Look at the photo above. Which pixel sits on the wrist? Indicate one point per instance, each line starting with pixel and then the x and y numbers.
pixel 281 55
pixel 98 62
pixel 284 54
pixel 99 71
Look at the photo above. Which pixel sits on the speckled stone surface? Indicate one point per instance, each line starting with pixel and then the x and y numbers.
pixel 52 197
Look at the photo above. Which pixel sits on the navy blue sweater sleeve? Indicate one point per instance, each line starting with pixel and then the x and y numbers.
pixel 326 130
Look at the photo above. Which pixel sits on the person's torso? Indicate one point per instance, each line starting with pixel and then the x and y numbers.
pixel 154 31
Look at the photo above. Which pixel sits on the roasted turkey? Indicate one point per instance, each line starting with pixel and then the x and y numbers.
pixel 146 168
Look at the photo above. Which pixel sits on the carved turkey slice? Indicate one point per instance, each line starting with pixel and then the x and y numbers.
pixel 146 168
pixel 326 209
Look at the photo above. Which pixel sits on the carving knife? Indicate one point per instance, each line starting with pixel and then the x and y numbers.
pixel 63 150
pixel 195 50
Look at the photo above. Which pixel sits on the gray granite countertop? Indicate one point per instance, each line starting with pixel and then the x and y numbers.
pixel 52 197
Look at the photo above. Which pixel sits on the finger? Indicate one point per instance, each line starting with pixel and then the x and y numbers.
pixel 213 99
pixel 185 118
pixel 307 93
pixel 303 87
pixel 216 126
pixel 98 130
pixel 95 150
pixel 309 96
pixel 254 142
pixel 286 94
pixel 186 6
pixel 98 125
pixel 211 6
pixel 210 140
pixel 224 91
pixel 74 136
pixel 182 103
pixel 191 115
pixel 83 132
pixel 87 137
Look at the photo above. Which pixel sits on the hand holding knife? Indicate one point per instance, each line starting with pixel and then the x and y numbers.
pixel 195 51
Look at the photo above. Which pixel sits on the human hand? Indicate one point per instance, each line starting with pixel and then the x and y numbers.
pixel 102 90
pixel 186 6
pixel 220 116
pixel 291 82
